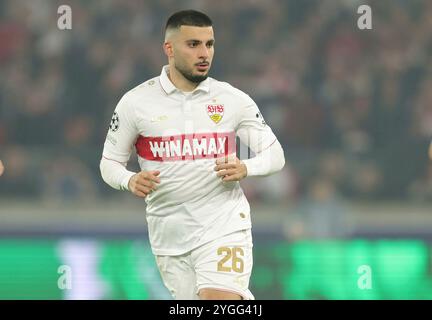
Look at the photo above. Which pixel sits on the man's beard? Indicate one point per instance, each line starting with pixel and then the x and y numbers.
pixel 191 77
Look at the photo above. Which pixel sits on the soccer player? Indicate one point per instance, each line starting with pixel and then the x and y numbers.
pixel 183 125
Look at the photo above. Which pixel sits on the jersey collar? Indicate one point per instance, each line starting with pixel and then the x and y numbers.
pixel 169 87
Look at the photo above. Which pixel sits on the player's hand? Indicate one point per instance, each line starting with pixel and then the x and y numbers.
pixel 1 168
pixel 230 168
pixel 143 183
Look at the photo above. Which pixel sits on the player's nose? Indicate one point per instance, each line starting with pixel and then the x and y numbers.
pixel 203 52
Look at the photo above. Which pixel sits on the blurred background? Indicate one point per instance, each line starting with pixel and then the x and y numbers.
pixel 352 109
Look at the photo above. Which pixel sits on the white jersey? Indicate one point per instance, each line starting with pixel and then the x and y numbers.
pixel 181 135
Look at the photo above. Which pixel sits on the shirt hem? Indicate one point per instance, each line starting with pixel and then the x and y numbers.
pixel 162 252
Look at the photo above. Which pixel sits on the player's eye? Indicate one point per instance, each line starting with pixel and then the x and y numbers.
pixel 193 44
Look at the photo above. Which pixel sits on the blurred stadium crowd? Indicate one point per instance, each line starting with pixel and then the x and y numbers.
pixel 352 108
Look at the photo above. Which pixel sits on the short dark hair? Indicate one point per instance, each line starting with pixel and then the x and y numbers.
pixel 188 18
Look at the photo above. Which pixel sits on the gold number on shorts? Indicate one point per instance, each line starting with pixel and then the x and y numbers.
pixel 237 264
pixel 221 266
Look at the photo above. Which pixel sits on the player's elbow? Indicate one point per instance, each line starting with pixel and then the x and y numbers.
pixel 281 163
pixel 107 168
pixel 279 158
pixel 103 168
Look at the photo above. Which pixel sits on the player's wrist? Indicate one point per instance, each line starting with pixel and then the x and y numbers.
pixel 245 169
pixel 125 184
pixel 249 167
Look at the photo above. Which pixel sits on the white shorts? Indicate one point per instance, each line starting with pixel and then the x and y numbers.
pixel 224 264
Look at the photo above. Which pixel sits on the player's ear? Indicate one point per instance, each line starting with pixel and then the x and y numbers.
pixel 168 49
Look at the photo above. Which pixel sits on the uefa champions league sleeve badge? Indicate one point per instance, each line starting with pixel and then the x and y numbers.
pixel 115 122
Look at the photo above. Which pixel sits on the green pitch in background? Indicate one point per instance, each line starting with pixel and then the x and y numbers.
pixel 125 269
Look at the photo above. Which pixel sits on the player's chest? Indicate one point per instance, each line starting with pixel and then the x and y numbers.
pixel 177 116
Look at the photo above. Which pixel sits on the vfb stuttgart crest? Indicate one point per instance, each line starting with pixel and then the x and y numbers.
pixel 215 112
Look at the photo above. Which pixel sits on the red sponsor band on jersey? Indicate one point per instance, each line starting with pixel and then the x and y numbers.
pixel 186 146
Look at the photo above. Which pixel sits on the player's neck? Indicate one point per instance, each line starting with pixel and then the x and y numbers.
pixel 179 81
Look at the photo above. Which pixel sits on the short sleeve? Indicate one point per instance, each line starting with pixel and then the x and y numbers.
pixel 122 133
pixel 252 129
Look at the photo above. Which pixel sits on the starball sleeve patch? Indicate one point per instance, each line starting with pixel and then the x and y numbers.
pixel 115 122
pixel 259 116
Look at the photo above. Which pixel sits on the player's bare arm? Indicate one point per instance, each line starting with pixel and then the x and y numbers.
pixel 230 170
pixel 143 183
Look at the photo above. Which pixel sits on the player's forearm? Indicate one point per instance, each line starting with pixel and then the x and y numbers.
pixel 115 174
pixel 267 162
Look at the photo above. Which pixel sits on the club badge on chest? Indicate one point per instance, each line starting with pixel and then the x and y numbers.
pixel 215 112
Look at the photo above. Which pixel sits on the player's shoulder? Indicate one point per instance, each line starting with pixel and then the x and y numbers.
pixel 138 95
pixel 148 88
pixel 234 93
